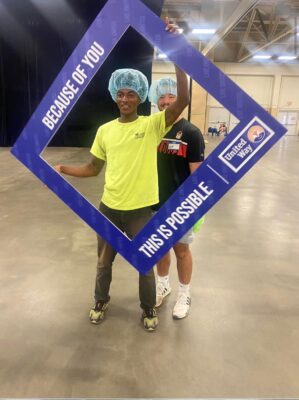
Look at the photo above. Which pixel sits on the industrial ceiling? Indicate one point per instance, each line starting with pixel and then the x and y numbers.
pixel 244 28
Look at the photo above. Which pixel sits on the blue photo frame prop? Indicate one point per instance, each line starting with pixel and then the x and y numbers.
pixel 255 134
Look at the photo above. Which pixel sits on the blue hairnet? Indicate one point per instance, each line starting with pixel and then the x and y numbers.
pixel 160 88
pixel 128 79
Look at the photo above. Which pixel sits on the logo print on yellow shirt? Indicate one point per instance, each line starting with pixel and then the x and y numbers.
pixel 139 135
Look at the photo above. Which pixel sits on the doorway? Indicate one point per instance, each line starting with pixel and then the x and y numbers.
pixel 290 120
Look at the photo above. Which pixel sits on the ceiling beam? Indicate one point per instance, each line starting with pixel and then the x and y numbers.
pixel 243 8
pixel 246 34
pixel 278 37
pixel 273 21
pixel 262 32
pixel 274 27
pixel 262 23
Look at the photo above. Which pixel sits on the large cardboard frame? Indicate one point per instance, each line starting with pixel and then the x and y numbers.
pixel 255 134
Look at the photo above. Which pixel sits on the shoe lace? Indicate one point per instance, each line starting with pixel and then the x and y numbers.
pixel 150 313
pixel 183 299
pixel 99 305
pixel 161 288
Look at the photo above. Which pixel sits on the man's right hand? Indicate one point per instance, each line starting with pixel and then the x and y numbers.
pixel 58 168
pixel 93 168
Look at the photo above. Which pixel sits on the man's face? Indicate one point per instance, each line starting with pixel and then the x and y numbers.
pixel 165 100
pixel 127 101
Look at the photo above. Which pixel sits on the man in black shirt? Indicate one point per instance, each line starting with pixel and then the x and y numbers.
pixel 179 154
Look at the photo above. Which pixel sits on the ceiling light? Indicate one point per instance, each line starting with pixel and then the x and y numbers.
pixel 161 55
pixel 206 31
pixel 262 57
pixel 287 57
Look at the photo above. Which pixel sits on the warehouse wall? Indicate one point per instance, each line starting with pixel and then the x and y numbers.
pixel 274 87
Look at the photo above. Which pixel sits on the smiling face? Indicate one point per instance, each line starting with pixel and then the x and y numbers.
pixel 165 100
pixel 127 101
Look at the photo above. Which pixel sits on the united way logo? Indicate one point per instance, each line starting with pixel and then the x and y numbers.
pixel 256 134
pixel 246 144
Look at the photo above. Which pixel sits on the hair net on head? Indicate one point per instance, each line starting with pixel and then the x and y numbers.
pixel 160 88
pixel 128 79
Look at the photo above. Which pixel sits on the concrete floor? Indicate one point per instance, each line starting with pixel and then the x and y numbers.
pixel 241 338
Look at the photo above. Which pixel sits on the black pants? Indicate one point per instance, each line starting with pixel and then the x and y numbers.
pixel 130 222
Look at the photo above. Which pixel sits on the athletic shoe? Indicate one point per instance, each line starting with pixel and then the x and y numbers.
pixel 182 306
pixel 97 313
pixel 162 290
pixel 150 319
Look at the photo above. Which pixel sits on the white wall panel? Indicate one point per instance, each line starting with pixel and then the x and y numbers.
pixel 260 88
pixel 288 96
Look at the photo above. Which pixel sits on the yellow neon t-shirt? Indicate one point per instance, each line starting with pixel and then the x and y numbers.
pixel 130 152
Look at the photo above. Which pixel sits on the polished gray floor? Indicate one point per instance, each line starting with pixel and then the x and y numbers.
pixel 241 338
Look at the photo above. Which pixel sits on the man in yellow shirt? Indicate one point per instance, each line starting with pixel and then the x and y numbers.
pixel 128 145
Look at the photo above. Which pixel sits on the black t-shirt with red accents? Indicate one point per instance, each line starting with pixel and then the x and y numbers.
pixel 182 145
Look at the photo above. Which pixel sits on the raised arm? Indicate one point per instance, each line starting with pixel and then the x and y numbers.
pixel 93 168
pixel 176 108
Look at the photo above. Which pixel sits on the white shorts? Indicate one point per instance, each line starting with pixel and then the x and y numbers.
pixel 187 238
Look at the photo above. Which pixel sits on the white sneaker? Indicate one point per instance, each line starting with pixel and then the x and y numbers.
pixel 182 306
pixel 162 290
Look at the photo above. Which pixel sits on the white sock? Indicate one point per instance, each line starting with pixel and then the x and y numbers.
pixel 163 279
pixel 184 289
